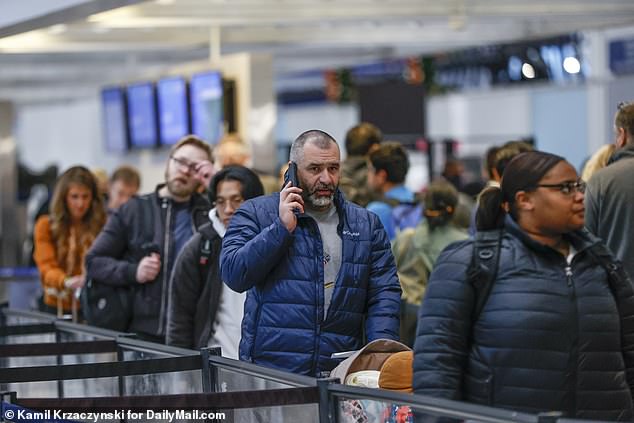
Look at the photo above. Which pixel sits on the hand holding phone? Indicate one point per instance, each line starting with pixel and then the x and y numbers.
pixel 291 175
pixel 150 265
pixel 291 201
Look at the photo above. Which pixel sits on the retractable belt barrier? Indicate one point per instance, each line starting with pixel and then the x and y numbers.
pixel 58 348
pixel 202 401
pixel 97 370
pixel 27 329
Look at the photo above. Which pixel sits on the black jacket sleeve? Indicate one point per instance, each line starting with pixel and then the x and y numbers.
pixel 186 287
pixel 105 262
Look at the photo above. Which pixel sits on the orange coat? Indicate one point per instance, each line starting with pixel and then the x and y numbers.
pixel 52 273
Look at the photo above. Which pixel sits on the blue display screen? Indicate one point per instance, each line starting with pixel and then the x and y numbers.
pixel 142 118
pixel 206 106
pixel 173 113
pixel 114 120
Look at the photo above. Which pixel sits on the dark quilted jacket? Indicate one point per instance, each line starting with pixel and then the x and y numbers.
pixel 283 325
pixel 548 338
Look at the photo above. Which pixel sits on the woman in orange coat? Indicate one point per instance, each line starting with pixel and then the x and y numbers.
pixel 63 237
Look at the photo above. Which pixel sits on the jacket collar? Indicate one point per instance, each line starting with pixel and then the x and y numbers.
pixel 198 203
pixel 625 152
pixel 580 239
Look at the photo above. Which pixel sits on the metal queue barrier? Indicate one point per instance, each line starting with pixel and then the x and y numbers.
pixel 300 398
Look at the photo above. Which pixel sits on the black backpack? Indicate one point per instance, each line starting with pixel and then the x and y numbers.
pixel 485 260
pixel 109 306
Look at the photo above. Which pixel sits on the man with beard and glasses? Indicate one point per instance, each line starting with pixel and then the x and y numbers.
pixel 139 244
pixel 318 270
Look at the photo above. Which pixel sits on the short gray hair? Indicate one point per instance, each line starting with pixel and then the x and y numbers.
pixel 317 137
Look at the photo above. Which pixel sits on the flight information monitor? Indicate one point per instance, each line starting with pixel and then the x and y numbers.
pixel 206 105
pixel 142 116
pixel 115 131
pixel 173 109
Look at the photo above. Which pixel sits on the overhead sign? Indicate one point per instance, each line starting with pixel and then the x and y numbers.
pixel 622 56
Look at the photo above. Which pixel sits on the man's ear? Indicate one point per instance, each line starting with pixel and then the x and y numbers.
pixel 621 138
pixel 524 201
pixel 381 175
pixel 496 175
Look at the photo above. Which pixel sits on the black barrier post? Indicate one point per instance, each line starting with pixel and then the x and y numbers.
pixel 209 373
pixel 60 361
pixel 4 361
pixel 327 403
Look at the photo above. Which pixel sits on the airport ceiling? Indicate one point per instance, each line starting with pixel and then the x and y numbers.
pixel 69 52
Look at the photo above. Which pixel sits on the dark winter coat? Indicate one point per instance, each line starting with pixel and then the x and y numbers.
pixel 283 324
pixel 549 336
pixel 196 290
pixel 115 255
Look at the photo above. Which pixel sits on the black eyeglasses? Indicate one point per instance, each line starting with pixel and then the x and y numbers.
pixel 184 164
pixel 567 188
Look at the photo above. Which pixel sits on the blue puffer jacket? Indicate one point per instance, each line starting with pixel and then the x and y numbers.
pixel 548 338
pixel 283 325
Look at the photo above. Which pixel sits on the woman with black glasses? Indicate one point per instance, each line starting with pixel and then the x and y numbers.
pixel 554 332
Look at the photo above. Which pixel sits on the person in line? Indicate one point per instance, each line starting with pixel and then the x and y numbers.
pixel 232 150
pixel 610 196
pixel 202 310
pixel 124 182
pixel 63 236
pixel 550 336
pixel 318 269
pixel 597 161
pixel 496 163
pixel 139 244
pixel 416 250
pixel 361 140
pixel 396 205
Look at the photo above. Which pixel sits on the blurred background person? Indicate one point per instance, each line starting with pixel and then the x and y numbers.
pixel 203 311
pixel 232 150
pixel 395 204
pixel 610 197
pixel 597 161
pixel 62 238
pixel 124 182
pixel 496 163
pixel 416 250
pixel 361 140
pixel 101 176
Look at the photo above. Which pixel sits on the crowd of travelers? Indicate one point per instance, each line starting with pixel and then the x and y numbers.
pixel 518 298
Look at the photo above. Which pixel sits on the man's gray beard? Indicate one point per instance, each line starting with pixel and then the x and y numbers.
pixel 320 202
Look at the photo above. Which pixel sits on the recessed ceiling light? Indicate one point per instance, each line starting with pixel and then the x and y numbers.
pixel 528 71
pixel 572 65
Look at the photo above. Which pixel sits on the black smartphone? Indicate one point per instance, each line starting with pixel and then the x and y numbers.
pixel 291 175
pixel 150 247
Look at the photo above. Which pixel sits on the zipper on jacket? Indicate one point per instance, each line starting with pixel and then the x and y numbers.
pixel 319 317
pixel 165 258
pixel 575 342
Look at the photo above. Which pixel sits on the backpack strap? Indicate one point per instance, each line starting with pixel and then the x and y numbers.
pixel 484 267
pixel 618 279
pixel 204 251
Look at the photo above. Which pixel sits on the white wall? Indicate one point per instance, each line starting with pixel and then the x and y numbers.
pixel 333 118
pixel 70 133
